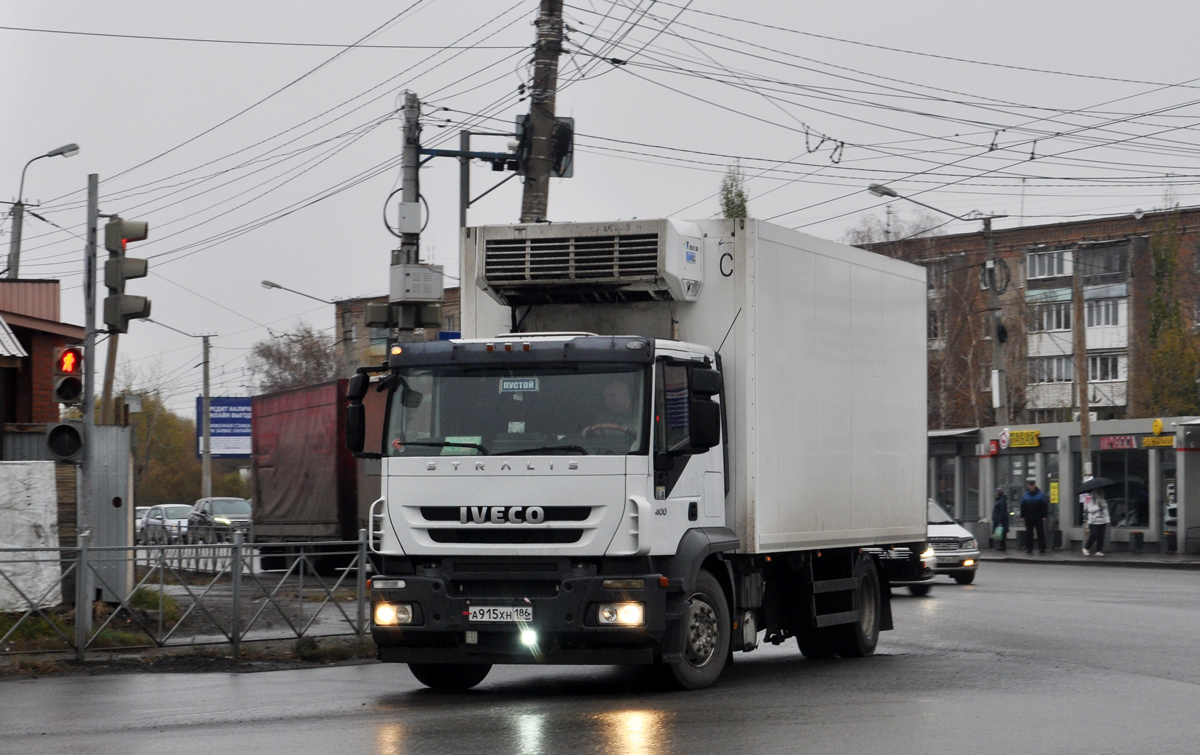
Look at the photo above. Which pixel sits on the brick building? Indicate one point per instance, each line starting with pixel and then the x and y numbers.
pixel 1131 265
pixel 359 345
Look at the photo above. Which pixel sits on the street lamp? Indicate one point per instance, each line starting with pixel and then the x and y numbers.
pixel 880 190
pixel 14 249
pixel 273 284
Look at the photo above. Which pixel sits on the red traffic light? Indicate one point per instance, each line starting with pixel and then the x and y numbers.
pixel 70 361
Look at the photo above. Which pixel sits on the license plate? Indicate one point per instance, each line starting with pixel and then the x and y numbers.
pixel 947 559
pixel 501 614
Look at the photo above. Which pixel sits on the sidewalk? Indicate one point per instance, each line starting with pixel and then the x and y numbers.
pixel 1144 560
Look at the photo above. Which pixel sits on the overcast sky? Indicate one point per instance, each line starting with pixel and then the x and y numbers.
pixel 255 161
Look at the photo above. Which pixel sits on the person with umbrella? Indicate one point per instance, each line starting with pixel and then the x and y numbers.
pixel 1095 510
pixel 1035 508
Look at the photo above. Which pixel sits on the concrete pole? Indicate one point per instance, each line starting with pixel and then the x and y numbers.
pixel 14 246
pixel 84 502
pixel 999 382
pixel 1081 365
pixel 107 415
pixel 464 177
pixel 410 243
pixel 536 199
pixel 206 461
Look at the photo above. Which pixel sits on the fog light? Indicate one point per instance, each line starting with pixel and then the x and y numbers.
pixel 969 562
pixel 622 614
pixel 528 637
pixel 623 584
pixel 393 614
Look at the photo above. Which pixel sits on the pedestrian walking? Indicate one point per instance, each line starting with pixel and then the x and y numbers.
pixel 1035 509
pixel 1095 509
pixel 1000 520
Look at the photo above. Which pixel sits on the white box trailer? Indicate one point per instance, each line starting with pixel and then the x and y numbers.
pixel 764 470
pixel 824 356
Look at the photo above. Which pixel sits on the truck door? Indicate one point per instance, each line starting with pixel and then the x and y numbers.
pixel 685 478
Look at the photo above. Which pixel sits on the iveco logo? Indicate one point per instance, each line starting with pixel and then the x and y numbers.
pixel 501 515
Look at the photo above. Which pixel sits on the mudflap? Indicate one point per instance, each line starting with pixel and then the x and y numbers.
pixel 885 598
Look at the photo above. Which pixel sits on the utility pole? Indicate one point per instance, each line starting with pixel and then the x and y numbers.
pixel 106 408
pixel 1079 331
pixel 14 245
pixel 84 505
pixel 409 252
pixel 999 383
pixel 206 461
pixel 464 177
pixel 540 129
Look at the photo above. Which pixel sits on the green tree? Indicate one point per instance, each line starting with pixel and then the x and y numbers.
pixel 166 466
pixel 1166 383
pixel 733 193
pixel 302 356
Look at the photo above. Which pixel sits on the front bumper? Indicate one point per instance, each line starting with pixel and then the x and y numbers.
pixel 955 562
pixel 564 601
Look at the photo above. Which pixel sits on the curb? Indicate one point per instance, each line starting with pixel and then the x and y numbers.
pixel 1100 561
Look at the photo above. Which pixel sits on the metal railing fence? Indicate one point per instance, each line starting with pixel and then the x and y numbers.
pixel 172 594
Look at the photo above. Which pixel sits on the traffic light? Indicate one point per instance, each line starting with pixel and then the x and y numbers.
pixel 68 375
pixel 65 441
pixel 119 307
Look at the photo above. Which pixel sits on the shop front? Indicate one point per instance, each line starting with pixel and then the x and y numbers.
pixel 1140 456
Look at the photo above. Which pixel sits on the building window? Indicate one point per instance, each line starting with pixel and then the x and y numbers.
pixel 1103 261
pixel 449 323
pixel 379 337
pixel 1047 264
pixel 1055 316
pixel 935 275
pixel 1104 368
pixel 1050 369
pixel 1102 312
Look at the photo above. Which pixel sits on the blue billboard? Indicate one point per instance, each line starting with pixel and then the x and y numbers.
pixel 229 426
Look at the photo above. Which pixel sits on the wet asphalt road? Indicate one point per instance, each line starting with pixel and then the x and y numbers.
pixel 1030 659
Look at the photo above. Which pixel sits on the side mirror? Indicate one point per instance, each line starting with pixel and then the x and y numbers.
pixel 358 386
pixel 705 423
pixel 706 382
pixel 365 417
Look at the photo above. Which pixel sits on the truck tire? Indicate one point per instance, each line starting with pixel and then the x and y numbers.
pixel 920 590
pixel 964 577
pixel 858 640
pixel 706 628
pixel 450 677
pixel 815 643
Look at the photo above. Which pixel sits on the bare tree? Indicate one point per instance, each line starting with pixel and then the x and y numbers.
pixel 733 194
pixel 894 226
pixel 302 356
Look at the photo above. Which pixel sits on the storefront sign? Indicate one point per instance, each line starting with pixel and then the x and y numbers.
pixel 1117 442
pixel 1165 441
pixel 1156 427
pixel 1054 492
pixel 1023 439
pixel 1004 438
pixel 993 448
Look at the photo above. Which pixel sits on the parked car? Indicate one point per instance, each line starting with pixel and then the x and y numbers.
pixel 956 548
pixel 214 520
pixel 139 524
pixel 167 523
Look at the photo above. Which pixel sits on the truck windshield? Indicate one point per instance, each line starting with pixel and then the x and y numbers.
pixel 546 409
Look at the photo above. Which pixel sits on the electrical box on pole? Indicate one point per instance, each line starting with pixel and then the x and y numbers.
pixel 68 375
pixel 119 307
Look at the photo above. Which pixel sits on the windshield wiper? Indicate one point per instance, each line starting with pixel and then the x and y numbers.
pixel 539 449
pixel 444 444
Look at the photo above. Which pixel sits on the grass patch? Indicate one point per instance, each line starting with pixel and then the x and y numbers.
pixel 147 599
pixel 37 632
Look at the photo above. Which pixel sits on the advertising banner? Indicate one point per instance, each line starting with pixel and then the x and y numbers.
pixel 229 426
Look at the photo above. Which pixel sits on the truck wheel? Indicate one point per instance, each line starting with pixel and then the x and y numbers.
pixel 450 677
pixel 815 643
pixel 858 640
pixel 964 577
pixel 920 590
pixel 706 627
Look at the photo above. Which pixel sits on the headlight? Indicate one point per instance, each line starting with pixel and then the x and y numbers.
pixel 393 614
pixel 970 545
pixel 621 614
pixel 221 520
pixel 929 553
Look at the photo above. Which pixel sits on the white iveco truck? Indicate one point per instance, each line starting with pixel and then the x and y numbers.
pixel 655 442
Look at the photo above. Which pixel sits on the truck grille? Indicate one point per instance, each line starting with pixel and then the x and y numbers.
pixel 503 535
pixel 553 513
pixel 944 545
pixel 572 259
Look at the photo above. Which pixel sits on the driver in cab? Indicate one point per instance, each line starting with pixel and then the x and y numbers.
pixel 617 412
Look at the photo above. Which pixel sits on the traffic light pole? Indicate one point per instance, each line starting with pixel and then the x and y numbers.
pixel 84 505
pixel 107 415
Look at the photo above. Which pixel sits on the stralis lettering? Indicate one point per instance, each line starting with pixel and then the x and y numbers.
pixel 501 515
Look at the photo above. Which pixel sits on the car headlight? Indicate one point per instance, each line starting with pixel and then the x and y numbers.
pixel 221 520
pixel 970 544
pixel 929 553
pixel 393 614
pixel 621 614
